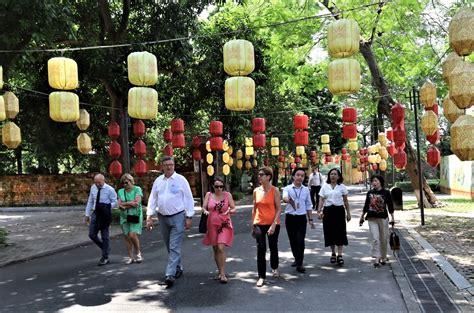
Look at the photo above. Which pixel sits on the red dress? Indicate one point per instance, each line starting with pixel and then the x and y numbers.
pixel 219 225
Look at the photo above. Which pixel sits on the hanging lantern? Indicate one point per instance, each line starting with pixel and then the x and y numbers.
pixel 254 163
pixel 167 135
pixel 143 103
pixel 258 125
pixel 210 170
pixel 398 114
pixel 115 150
pixel 300 121
pixel 239 59
pixel 3 114
pixel 353 145
pixel 226 147
pixel 328 158
pixel 299 151
pixel 216 128
pixel 11 135
pixel 138 128
pixel 428 94
pixel 344 76
pixel 382 138
pixel 209 158
pixel 429 122
pixel 325 148
pixel 226 169
pixel 343 38
pixel 248 151
pixel 239 93
pixel 84 144
pixel 248 141
pixel 349 131
pixel 383 152
pixel 1 77
pixel 239 154
pixel 274 141
pixel 258 140
pixel 115 169
pixel 372 149
pixel 113 130
pixel 196 141
pixel 12 106
pixel 344 157
pixel 64 106
pixel 84 120
pixel 372 158
pixel 168 150
pixel 389 133
pixel 239 164
pixel 400 159
pixel 197 154
pixel 301 138
pixel 383 165
pixel 248 165
pixel 399 136
pixel 461 31
pixel 349 115
pixel 208 146
pixel 449 64
pixel 62 73
pixel 275 151
pixel 391 149
pixel 450 110
pixel 434 108
pixel 216 143
pixel 225 157
pixel 178 140
pixel 140 168
pixel 462 133
pixel 461 85
pixel 435 138
pixel 325 138
pixel 433 156
pixel 142 68
pixel 177 125
pixel 139 148
pixel 231 161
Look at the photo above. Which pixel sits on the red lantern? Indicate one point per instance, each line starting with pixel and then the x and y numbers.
pixel 349 115
pixel 349 131
pixel 281 158
pixel 216 143
pixel 282 153
pixel 140 168
pixel 167 135
pixel 196 141
pixel 336 159
pixel 293 166
pixel 433 156
pixel 300 121
pixel 400 159
pixel 115 169
pixel 434 108
pixel 344 156
pixel 364 159
pixel 178 140
pixel 328 158
pixel 138 128
pixel 197 155
pixel 398 114
pixel 114 130
pixel 258 125
pixel 139 148
pixel 434 139
pixel 258 140
pixel 391 149
pixel 216 128
pixel 115 150
pixel 389 134
pixel 168 150
pixel 301 137
pixel 177 125
pixel 344 151
pixel 399 136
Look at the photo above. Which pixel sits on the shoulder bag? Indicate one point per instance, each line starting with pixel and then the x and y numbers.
pixel 133 219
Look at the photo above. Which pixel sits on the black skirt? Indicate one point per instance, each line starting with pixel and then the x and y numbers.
pixel 334 226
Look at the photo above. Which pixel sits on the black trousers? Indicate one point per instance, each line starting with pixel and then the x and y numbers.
pixel 296 229
pixel 314 192
pixel 260 236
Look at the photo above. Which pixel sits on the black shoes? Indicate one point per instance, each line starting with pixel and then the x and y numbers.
pixel 103 261
pixel 179 273
pixel 169 281
pixel 301 269
pixel 294 264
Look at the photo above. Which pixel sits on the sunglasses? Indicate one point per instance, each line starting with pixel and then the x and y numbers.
pixel 219 186
pixel 261 174
pixel 125 183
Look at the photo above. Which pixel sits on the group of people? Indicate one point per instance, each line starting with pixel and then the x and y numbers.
pixel 172 201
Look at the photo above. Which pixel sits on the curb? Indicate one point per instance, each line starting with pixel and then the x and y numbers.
pixel 41 209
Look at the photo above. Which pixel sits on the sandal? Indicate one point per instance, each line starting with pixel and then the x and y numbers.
pixel 382 261
pixel 223 279
pixel 340 260
pixel 333 258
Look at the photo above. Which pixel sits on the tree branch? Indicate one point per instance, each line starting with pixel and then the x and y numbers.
pixel 104 10
pixel 374 29
pixel 124 20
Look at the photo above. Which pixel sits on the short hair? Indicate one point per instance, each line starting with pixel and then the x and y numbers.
pixel 167 158
pixel 380 178
pixel 339 180
pixel 128 177
pixel 296 170
pixel 267 170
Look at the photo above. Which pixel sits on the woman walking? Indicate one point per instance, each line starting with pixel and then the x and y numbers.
pixel 131 216
pixel 219 205
pixel 378 205
pixel 266 223
pixel 335 214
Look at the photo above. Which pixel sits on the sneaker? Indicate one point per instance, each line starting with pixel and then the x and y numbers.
pixel 169 281
pixel 300 269
pixel 139 258
pixel 103 261
pixel 179 272
pixel 275 273
pixel 129 261
pixel 260 282
pixel 294 264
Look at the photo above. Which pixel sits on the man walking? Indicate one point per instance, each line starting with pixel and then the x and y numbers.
pixel 102 198
pixel 172 199
pixel 315 182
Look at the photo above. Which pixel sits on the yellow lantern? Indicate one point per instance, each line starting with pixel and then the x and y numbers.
pixel 142 68
pixel 210 170
pixel 3 114
pixel 143 103
pixel 291 159
pixel 275 141
pixel 344 76
pixel 358 161
pixel 281 165
pixel 254 163
pixel 325 148
pixel 84 144
pixel 353 145
pixel 64 106
pixel 299 150
pixel 12 105
pixel 11 135
pixel 209 158
pixel 377 147
pixel 231 161
pixel 225 157
pixel 382 137
pixel 230 150
pixel 275 151
pixel 239 164
pixel 249 151
pixel 84 120
pixel 62 73
pixel 461 31
pixel 383 165
pixel 428 94
pixel 248 141
pixel 304 155
pixel 462 132
pixel 304 162
pixel 372 158
pixel 378 158
pixel 343 38
pixel 239 59
pixel 226 169
pixel 429 123
pixel 208 146
pixel 255 154
pixel 239 93
pixel 1 77
pixel 449 64
pixel 225 145
pixel 371 149
pixel 247 156
pixel 383 153
pixel 324 138
pixel 248 165
pixel 450 110
pixel 239 154
pixel 461 85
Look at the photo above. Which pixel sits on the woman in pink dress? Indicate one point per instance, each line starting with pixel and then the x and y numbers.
pixel 219 205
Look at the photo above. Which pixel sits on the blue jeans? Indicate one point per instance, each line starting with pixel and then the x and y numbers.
pixel 172 230
pixel 104 242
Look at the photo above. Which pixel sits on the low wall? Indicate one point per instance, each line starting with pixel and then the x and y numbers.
pixel 457 177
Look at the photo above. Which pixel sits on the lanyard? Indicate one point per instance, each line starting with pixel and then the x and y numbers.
pixel 297 195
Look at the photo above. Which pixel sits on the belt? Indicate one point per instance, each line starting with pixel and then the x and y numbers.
pixel 171 214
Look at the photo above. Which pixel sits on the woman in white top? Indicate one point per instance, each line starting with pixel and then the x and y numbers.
pixel 336 211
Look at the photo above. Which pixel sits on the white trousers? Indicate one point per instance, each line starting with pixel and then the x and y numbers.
pixel 378 228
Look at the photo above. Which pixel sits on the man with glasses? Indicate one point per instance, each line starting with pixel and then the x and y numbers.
pixel 172 200
pixel 102 198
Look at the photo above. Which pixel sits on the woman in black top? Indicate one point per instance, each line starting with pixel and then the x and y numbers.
pixel 378 204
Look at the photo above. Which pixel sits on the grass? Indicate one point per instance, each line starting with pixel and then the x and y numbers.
pixel 449 205
pixel 3 236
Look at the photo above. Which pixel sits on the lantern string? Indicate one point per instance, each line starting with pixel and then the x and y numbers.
pixel 276 24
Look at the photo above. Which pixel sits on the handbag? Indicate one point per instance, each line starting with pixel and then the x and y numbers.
pixel 203 223
pixel 394 240
pixel 133 219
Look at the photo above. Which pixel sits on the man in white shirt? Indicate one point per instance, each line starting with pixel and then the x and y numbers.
pixel 171 198
pixel 102 198
pixel 315 181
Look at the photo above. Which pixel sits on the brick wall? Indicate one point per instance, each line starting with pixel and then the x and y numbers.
pixel 58 190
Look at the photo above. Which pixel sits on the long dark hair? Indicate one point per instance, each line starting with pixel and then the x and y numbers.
pixel 214 181
pixel 380 178
pixel 339 180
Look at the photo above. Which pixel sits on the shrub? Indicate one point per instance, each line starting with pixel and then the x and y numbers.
pixel 406 186
pixel 237 195
pixel 3 236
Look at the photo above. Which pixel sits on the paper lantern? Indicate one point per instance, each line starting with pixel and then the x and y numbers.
pixel 196 141
pixel 429 122
pixel 435 138
pixel 84 144
pixel 300 121
pixel 258 125
pixel 178 140
pixel 167 135
pixel 274 141
pixel 115 150
pixel 275 151
pixel 143 103
pixel 239 93
pixel 248 151
pixel 225 157
pixel 399 136
pixel 382 138
pixel 325 148
pixel 449 64
pixel 239 154
pixel 177 125
pixel 304 162
pixel 450 110
pixel 372 158
pixel 328 158
pixel 349 115
pixel 139 128
pixel 209 158
pixel 115 169
pixel 324 138
pixel 210 170
pixel 428 94
pixel 168 150
pixel 208 146
pixel 239 59
pixel 258 140
pixel 64 106
pixel 248 141
pixel 344 157
pixel 3 114
pixel 433 156
pixel 11 135
pixel 231 161
pixel 216 128
pixel 113 130
pixel 398 114
pixel 62 73
pixel 239 164
pixel 389 133
pixel 372 149
pixel 254 163
pixel 353 145
pixel 461 31
pixel 301 138
pixel 383 152
pixel 400 159
pixel 383 165
pixel 344 76
pixel 142 68
pixel 462 133
pixel 299 151
pixel 216 143
pixel 391 149
pixel 84 120
pixel 226 147
pixel 434 108
pixel 248 165
pixel 343 38
pixel 1 77
pixel 226 169
pixel 349 131
pixel 461 85
pixel 12 106
pixel 197 154
pixel 139 148
pixel 140 168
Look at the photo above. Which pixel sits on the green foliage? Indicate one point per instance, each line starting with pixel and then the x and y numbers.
pixel 237 195
pixel 407 186
pixel 451 205
pixel 3 236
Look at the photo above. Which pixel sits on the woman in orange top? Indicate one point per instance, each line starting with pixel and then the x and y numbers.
pixel 266 222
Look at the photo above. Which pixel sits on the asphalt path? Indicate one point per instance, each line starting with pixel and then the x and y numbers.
pixel 71 281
